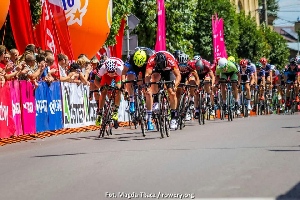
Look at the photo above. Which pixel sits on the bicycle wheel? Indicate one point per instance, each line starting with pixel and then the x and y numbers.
pixel 106 119
pixel 229 105
pixel 200 120
pixel 167 117
pixel 141 115
pixel 181 111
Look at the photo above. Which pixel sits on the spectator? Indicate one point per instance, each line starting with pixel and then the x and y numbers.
pixel 31 70
pixel 63 63
pixel 92 76
pixel 14 55
pixel 85 67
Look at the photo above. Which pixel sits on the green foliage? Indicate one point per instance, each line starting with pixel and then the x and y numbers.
pixel 203 30
pixel 121 8
pixel 279 50
pixel 36 10
pixel 146 11
pixel 253 44
pixel 272 6
pixel 181 16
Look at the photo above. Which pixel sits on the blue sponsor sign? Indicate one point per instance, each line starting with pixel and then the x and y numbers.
pixel 55 106
pixel 41 101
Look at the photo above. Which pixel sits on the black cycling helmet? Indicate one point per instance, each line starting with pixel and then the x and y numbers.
pixel 177 53
pixel 161 60
pixel 248 61
pixel 293 61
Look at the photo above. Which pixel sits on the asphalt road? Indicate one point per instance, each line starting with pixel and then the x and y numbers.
pixel 257 157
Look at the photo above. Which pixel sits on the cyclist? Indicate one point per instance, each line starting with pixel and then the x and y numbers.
pixel 291 77
pixel 162 65
pixel 135 67
pixel 228 70
pixel 268 75
pixel 206 75
pixel 247 77
pixel 188 74
pixel 110 70
pixel 261 78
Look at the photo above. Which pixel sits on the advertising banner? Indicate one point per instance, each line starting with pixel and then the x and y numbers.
pixel 41 102
pixel 7 124
pixel 219 47
pixel 16 106
pixel 55 107
pixel 28 107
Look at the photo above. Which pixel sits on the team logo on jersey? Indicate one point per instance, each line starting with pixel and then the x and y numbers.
pixel 75 10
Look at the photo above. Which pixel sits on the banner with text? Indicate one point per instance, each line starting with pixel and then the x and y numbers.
pixel 28 107
pixel 7 125
pixel 16 106
pixel 55 106
pixel 219 47
pixel 41 102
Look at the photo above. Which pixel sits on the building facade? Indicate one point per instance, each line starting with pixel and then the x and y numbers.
pixel 249 6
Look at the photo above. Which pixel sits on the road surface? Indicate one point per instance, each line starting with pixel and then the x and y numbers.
pixel 256 157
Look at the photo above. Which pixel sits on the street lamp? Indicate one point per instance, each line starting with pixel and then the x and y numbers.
pixel 297 29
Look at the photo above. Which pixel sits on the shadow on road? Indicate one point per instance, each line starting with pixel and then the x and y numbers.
pixel 291 127
pixel 57 155
pixel 284 150
pixel 292 194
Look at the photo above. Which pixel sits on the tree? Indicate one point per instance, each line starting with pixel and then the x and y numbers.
pixel 279 51
pixel 146 11
pixel 253 44
pixel 272 8
pixel 203 29
pixel 121 8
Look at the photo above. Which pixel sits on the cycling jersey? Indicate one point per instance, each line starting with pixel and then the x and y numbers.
pixel 246 73
pixel 267 69
pixel 171 62
pixel 229 68
pixel 291 74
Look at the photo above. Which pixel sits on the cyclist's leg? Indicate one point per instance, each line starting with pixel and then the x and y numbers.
pixel 131 76
pixel 117 98
pixel 179 89
pixel 192 81
pixel 106 80
pixel 169 76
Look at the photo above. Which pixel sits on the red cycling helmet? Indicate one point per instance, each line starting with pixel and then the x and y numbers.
pixel 263 60
pixel 243 63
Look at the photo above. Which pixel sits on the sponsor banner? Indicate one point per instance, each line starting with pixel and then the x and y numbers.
pixel 16 106
pixel 7 125
pixel 55 107
pixel 41 102
pixel 90 107
pixel 219 47
pixel 28 107
pixel 73 108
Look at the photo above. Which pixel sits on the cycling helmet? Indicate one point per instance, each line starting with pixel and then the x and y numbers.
pixel 177 53
pixel 298 60
pixel 110 66
pixel 248 61
pixel 258 65
pixel 231 59
pixel 243 63
pixel 139 58
pixel 197 57
pixel 199 66
pixel 293 61
pixel 183 58
pixel 263 60
pixel 273 67
pixel 277 72
pixel 222 62
pixel 161 60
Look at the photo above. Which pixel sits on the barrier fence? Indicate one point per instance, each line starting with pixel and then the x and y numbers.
pixel 25 110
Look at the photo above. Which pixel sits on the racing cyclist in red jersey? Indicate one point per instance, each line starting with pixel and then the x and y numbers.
pixel 162 65
pixel 205 74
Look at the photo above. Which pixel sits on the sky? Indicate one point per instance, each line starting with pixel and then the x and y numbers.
pixel 289 11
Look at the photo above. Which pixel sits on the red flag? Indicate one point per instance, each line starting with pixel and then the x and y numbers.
pixel 61 28
pixel 117 50
pixel 21 23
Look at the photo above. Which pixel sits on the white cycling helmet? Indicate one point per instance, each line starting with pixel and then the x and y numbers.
pixel 197 57
pixel 110 65
pixel 222 62
pixel 277 72
pixel 273 67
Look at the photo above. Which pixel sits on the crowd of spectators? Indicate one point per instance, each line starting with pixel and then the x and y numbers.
pixel 37 65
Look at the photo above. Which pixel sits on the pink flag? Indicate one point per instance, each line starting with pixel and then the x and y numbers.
pixel 16 106
pixel 161 27
pixel 218 37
